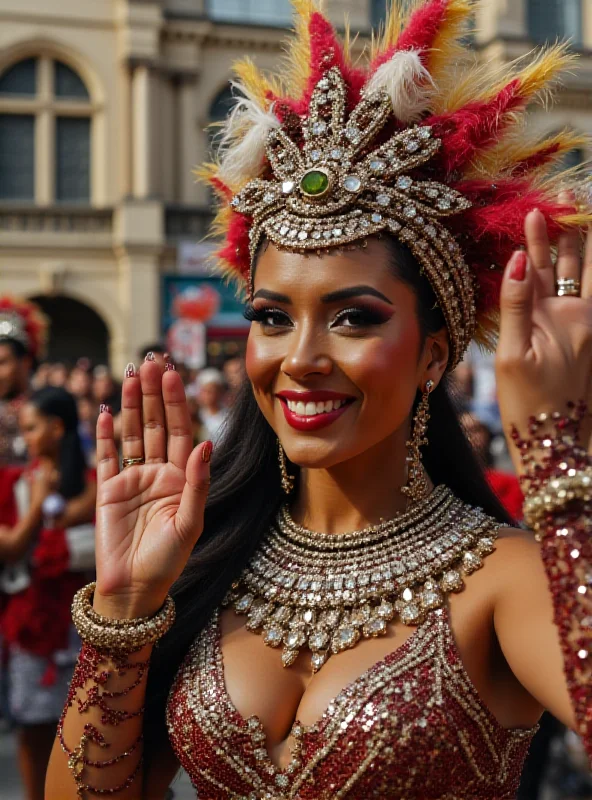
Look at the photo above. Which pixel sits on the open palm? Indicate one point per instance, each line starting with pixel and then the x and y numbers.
pixel 544 357
pixel 149 516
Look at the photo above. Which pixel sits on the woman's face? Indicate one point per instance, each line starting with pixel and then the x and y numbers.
pixel 335 355
pixel 42 434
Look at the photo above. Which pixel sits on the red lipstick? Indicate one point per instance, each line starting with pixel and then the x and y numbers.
pixel 303 421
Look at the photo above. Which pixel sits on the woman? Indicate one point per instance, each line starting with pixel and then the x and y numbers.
pixel 44 559
pixel 373 674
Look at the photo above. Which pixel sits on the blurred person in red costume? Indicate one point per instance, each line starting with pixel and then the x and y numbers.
pixel 23 331
pixel 44 558
pixel 505 485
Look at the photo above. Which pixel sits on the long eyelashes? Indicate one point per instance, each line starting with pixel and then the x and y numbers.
pixel 358 317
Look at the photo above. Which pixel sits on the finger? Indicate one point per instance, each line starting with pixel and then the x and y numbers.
pixel 107 456
pixel 587 269
pixel 193 500
pixel 517 298
pixel 178 419
pixel 539 252
pixel 153 412
pixel 569 247
pixel 132 435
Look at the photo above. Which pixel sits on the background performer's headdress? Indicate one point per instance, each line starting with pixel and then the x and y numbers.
pixel 418 143
pixel 23 322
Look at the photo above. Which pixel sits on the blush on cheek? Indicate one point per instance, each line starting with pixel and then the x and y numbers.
pixel 262 363
pixel 386 370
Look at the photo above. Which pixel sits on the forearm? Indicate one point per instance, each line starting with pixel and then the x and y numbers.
pixel 99 748
pixel 80 510
pixel 559 508
pixel 100 734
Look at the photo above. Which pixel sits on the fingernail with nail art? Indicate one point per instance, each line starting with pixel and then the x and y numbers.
pixel 105 409
pixel 130 371
pixel 150 356
pixel 169 367
pixel 206 453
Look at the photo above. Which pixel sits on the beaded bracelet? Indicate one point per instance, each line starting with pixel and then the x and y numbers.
pixel 118 635
pixel 558 471
pixel 556 494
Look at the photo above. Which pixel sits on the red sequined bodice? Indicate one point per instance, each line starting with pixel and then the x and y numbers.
pixel 410 728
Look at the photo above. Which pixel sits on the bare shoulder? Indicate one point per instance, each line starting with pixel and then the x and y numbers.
pixel 516 567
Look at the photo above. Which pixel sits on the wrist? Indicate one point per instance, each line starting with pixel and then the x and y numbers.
pixel 125 606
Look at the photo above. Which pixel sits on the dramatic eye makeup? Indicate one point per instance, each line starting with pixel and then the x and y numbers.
pixel 367 312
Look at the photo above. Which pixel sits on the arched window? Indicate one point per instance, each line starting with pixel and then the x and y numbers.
pixel 45 133
pixel 255 12
pixel 549 20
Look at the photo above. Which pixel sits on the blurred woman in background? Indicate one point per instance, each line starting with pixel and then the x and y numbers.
pixel 44 559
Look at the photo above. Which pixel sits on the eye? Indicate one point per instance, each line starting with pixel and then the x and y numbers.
pixel 267 317
pixel 359 318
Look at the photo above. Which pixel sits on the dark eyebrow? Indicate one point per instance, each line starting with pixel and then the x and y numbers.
pixel 273 296
pixel 332 297
pixel 353 291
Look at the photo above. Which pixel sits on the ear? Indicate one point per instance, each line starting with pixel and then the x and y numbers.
pixel 435 356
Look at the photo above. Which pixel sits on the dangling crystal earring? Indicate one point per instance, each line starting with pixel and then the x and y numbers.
pixel 417 487
pixel 287 479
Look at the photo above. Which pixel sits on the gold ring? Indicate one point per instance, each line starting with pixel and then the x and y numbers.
pixel 568 287
pixel 132 462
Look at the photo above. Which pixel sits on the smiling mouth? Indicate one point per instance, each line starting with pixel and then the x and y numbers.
pixel 311 409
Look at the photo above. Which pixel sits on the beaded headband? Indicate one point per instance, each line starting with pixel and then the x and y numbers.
pixel 416 145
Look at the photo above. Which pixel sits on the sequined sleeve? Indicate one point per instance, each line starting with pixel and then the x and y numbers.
pixel 558 507
pixel 567 555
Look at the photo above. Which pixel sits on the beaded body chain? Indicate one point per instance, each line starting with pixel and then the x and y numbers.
pixel 558 507
pixel 109 651
pixel 97 668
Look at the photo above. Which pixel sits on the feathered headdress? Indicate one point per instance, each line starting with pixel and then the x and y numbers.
pixel 417 142
pixel 22 321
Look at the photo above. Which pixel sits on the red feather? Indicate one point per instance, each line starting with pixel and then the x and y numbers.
pixel 236 249
pixel 421 32
pixel 475 126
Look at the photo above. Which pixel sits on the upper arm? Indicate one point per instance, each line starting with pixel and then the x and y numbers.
pixel 523 618
pixel 159 773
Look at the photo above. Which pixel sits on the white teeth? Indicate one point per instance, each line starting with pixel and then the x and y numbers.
pixel 314 409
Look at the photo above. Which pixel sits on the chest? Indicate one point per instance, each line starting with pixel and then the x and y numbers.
pixel 417 699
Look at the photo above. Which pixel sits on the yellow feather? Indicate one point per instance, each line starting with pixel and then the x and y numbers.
pixel 504 156
pixel 256 83
pixel 389 31
pixel 297 60
pixel 541 73
pixel 447 47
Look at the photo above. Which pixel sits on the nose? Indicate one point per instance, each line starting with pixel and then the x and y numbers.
pixel 306 355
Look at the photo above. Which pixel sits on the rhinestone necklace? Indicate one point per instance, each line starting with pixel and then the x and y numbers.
pixel 326 592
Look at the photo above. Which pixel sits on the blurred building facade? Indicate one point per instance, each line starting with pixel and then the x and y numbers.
pixel 104 106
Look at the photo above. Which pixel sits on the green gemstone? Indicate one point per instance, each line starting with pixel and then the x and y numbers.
pixel 315 183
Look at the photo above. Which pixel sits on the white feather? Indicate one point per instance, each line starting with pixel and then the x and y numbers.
pixel 407 82
pixel 243 140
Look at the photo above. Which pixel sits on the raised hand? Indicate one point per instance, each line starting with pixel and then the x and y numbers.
pixel 149 516
pixel 544 357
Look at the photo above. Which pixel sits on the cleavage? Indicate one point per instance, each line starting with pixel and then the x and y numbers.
pixel 258 685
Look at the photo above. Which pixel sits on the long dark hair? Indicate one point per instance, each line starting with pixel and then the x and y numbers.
pixel 53 401
pixel 246 494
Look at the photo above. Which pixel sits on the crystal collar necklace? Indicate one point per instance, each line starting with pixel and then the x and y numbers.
pixel 326 592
